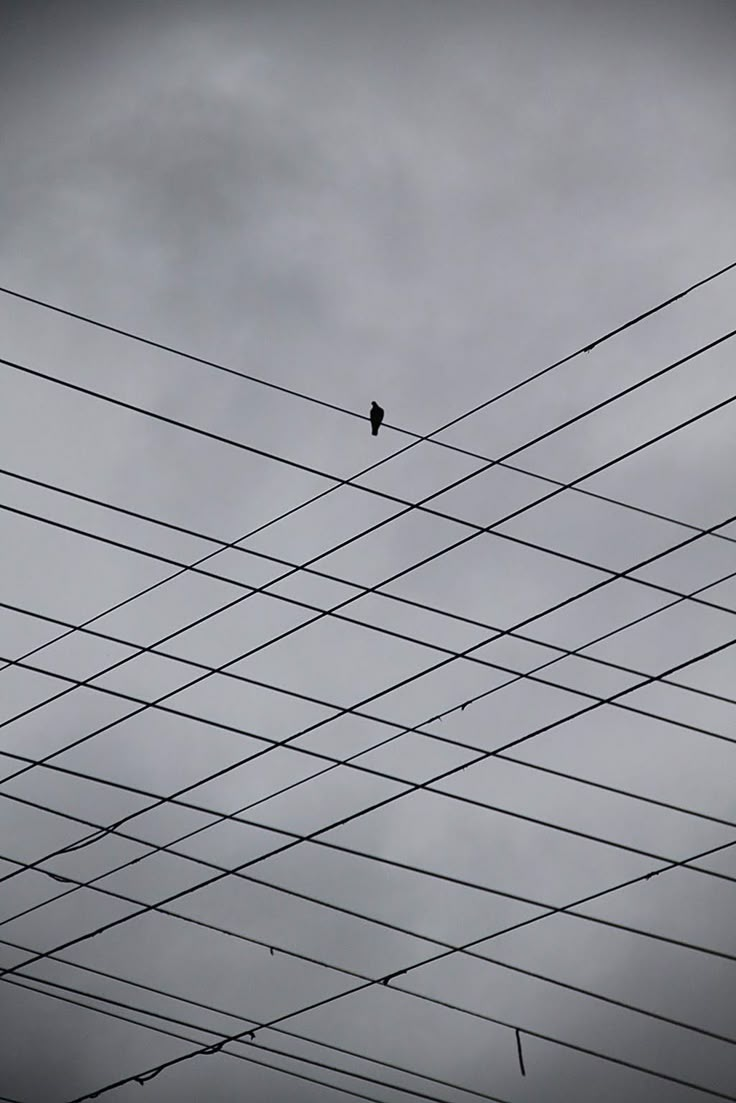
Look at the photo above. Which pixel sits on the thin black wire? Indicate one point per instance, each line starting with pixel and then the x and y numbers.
pixel 430 558
pixel 369 626
pixel 397 779
pixel 395 499
pixel 482 754
pixel 260 1046
pixel 316 837
pixel 390 979
pixel 274 947
pixel 411 506
pixel 232 1015
pixel 369 982
pixel 144 1077
pixel 403 865
pixel 351 413
pixel 380 720
pixel 614 577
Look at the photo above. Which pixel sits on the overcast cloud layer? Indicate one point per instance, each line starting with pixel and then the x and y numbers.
pixel 422 204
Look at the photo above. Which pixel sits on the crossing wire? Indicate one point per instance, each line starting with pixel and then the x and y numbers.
pixel 417 438
pixel 285 598
pixel 367 982
pixel 232 1015
pixel 530 675
pixel 482 754
pixel 219 1047
pixel 397 779
pixel 395 499
pixel 321 723
pixel 274 947
pixel 475 532
pixel 70 628
pixel 316 838
pixel 614 576
pixel 391 979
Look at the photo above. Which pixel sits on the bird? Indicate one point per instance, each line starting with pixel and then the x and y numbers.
pixel 377 413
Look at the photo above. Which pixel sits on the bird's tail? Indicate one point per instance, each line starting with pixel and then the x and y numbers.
pixel 374 430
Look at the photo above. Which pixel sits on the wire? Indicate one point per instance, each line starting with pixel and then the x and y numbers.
pixel 229 1014
pixel 413 567
pixel 275 947
pixel 369 982
pixel 384 776
pixel 407 505
pixel 380 720
pixel 351 413
pixel 143 1078
pixel 649 875
pixel 347 601
pixel 473 1014
pixel 369 626
pixel 315 837
pixel 260 1046
pixel 483 754
pixel 530 675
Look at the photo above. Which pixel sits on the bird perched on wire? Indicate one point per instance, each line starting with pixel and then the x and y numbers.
pixel 377 413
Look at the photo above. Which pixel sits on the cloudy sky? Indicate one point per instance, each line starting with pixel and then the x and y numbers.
pixel 421 203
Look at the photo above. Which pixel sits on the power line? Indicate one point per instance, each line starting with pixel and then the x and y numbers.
pixel 315 837
pixel 407 505
pixel 233 1015
pixel 143 1078
pixel 380 720
pixel 328 905
pixel 384 776
pixel 483 754
pixel 429 559
pixel 373 627
pixel 347 601
pixel 417 438
pixel 530 675
pixel 369 626
pixel 370 982
pixel 259 1046
pixel 650 875
pixel 367 982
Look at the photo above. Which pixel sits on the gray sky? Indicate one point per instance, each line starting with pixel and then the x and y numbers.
pixel 422 204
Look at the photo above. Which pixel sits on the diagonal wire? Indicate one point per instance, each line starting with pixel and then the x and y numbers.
pixel 315 837
pixel 41 987
pixel 407 506
pixel 614 576
pixel 274 947
pixel 232 1015
pixel 391 978
pixel 180 353
pixel 285 598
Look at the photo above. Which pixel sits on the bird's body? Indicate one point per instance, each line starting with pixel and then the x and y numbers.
pixel 376 416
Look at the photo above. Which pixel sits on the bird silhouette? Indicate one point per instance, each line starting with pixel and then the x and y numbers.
pixel 377 413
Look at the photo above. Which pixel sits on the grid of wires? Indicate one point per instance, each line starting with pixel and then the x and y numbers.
pixel 395 778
